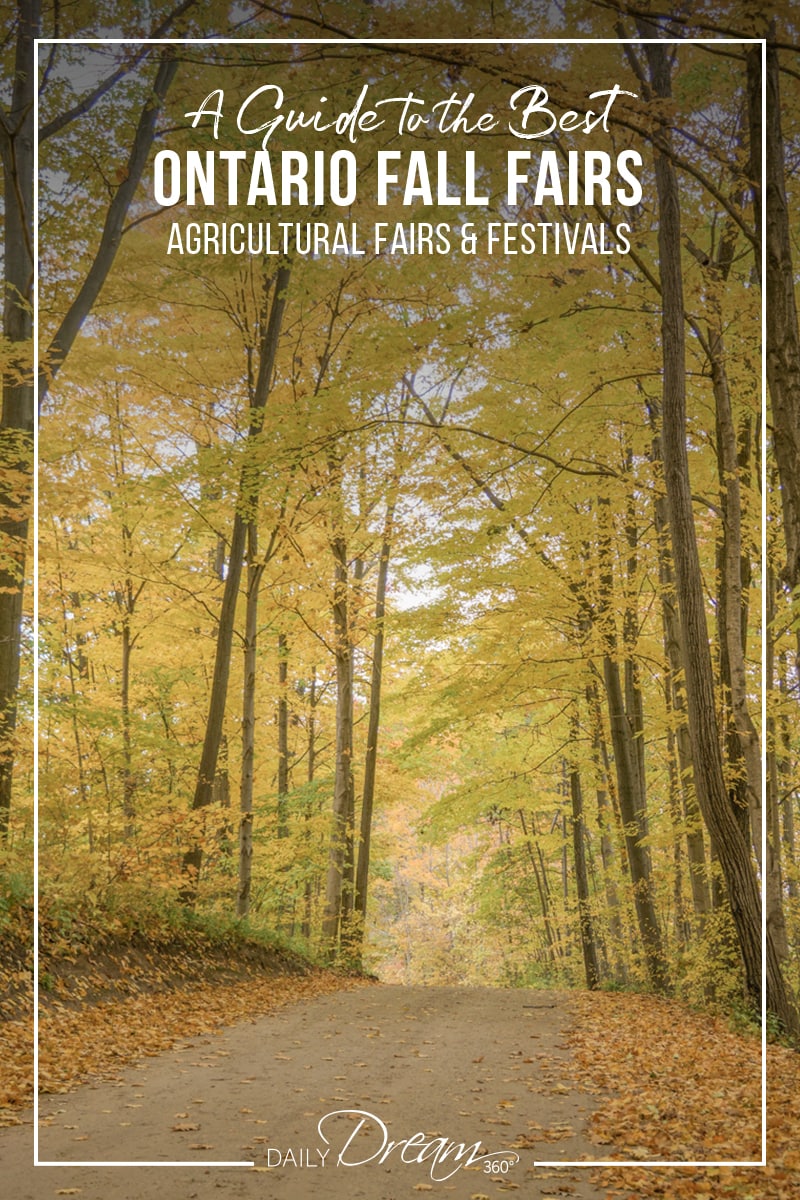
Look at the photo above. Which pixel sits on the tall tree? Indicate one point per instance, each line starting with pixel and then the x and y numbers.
pixel 733 850
pixel 246 505
pixel 674 685
pixel 783 339
pixel 626 739
pixel 16 422
pixel 585 923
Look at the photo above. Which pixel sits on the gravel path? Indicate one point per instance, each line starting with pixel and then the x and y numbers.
pixel 378 1093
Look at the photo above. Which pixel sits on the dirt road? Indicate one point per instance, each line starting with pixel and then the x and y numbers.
pixel 379 1093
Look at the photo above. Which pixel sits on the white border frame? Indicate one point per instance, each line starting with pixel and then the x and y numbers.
pixel 402 41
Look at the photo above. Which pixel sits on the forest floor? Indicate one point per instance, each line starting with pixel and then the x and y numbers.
pixel 243 1065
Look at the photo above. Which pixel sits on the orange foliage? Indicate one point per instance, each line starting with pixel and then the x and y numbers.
pixel 683 1086
pixel 99 1039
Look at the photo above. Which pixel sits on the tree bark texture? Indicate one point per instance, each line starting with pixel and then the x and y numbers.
pixel 630 803
pixel 588 944
pixel 730 844
pixel 16 423
pixel 783 339
pixel 629 771
pixel 731 597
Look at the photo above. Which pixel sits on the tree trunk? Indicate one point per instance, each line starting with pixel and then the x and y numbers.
pixel 676 699
pixel 682 924
pixel 113 226
pixel 16 424
pixel 76 668
pixel 541 889
pixel 783 340
pixel 731 846
pixel 254 572
pixel 630 779
pixel 605 821
pixel 785 773
pixel 247 503
pixel 588 946
pixel 634 703
pixel 343 776
pixel 731 597
pixel 373 728
pixel 128 781
pixel 773 880
pixel 630 806
pixel 283 735
pixel 311 756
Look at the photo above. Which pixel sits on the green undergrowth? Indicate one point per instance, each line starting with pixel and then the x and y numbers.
pixel 130 912
pixel 130 940
pixel 16 900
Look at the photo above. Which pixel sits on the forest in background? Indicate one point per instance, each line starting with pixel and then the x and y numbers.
pixel 368 606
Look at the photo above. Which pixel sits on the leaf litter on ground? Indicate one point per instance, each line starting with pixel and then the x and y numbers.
pixel 674 1084
pixel 681 1085
pixel 97 1015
